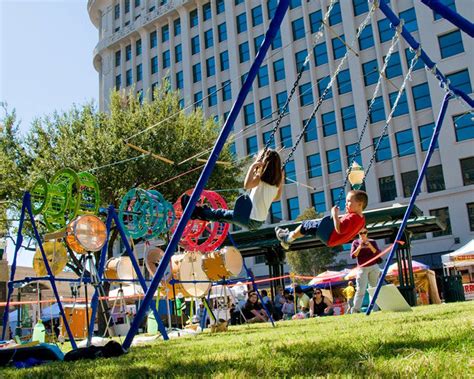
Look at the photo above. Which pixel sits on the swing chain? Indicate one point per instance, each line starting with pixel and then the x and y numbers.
pixel 283 110
pixel 328 87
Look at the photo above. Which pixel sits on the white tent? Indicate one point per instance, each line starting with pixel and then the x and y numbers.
pixel 462 257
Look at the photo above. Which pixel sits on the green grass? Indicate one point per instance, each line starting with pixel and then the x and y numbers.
pixel 432 341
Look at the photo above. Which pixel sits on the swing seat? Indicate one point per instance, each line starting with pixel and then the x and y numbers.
pixel 242 209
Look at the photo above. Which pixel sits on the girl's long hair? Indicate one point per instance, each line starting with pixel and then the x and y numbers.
pixel 271 171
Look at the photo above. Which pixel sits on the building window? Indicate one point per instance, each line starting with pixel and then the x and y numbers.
pixel 166 59
pixel 334 160
pixel 179 80
pixel 206 11
pixel 306 94
pixel 210 67
pixel 470 215
pixel 463 127
pixel 153 39
pixel 178 53
pixel 443 215
pixel 409 54
pixel 385 31
pixel 177 27
pixel 405 145
pixel 360 7
pixel 329 123
pixel 257 16
pixel 297 27
pixel 338 46
pixel 154 65
pixel 371 72
pixel 421 96
pixel 128 78
pixel 252 145
pixel 290 172
pixel 165 33
pixel 241 21
pixel 198 100
pixel 335 17
pixel 409 17
pixel 222 32
pixel 195 46
pixel 295 4
pixel 402 106
pixel 449 3
pixel 249 114
pixel 278 69
pixel 350 151
pixel 426 132
pixel 315 20
pixel 271 8
pixel 409 179
pixel 461 80
pixel 262 76
pixel 293 208
pixel 208 39
pixel 224 60
pixel 226 90
pixel 435 179
pixel 387 188
pixel 314 165
pixel 128 52
pixel 344 82
pixel 310 134
pixel 275 212
pixel 322 85
pixel 366 38
pixel 212 96
pixel 118 57
pixel 257 42
pixel 117 11
pixel 139 72
pixel 138 47
pixel 348 118
pixel 276 43
pixel 394 67
pixel 285 136
pixel 237 2
pixel 220 6
pixel 193 18
pixel 197 73
pixel 450 44
pixel 300 58
pixel 467 170
pixel 127 6
pixel 335 194
pixel 118 81
pixel 281 98
pixel 266 108
pixel 266 138
pixel 378 110
pixel 320 54
pixel 383 152
pixel 244 52
pixel 137 3
pixel 319 201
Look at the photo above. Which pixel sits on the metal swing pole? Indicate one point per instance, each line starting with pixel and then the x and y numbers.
pixel 206 173
pixel 416 191
pixel 455 18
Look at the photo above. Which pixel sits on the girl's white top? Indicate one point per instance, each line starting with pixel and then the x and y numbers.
pixel 262 197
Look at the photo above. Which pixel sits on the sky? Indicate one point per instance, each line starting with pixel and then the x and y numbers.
pixel 45 62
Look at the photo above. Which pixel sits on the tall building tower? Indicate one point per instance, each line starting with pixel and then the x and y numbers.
pixel 205 48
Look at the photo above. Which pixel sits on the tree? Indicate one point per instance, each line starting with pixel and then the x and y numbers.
pixel 311 261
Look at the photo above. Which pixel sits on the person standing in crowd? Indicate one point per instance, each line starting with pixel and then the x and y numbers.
pixel 303 300
pixel 365 251
pixel 349 293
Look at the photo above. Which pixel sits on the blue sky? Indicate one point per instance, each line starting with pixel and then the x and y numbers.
pixel 45 62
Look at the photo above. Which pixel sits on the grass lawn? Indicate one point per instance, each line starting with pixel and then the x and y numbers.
pixel 432 341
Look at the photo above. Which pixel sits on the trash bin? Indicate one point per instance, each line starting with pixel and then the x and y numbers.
pixel 453 289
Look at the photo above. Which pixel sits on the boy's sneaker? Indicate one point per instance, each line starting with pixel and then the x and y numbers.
pixel 282 236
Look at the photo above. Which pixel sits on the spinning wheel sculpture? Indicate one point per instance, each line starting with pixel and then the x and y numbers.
pixel 67 196
pixel 145 213
pixel 201 235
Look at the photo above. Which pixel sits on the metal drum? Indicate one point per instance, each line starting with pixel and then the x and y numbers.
pixel 86 233
pixel 222 264
pixel 57 258
pixel 188 267
pixel 120 268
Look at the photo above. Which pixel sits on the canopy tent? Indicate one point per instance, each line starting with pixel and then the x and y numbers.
pixel 417 266
pixel 462 257
pixel 50 313
pixel 328 277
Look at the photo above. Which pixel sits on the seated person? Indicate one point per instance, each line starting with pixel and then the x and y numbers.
pixel 302 300
pixel 320 305
pixel 253 310
pixel 288 308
